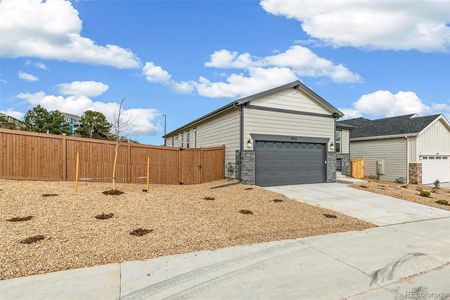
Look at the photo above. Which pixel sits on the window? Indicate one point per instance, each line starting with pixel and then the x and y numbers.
pixel 188 139
pixel 338 141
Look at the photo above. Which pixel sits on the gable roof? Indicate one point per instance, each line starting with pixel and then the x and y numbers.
pixel 406 124
pixel 247 99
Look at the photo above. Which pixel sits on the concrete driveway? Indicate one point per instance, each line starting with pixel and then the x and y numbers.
pixel 406 261
pixel 374 208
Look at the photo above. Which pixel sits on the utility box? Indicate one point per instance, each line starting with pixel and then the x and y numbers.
pixel 380 166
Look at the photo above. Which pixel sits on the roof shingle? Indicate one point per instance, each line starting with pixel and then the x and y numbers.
pixel 406 124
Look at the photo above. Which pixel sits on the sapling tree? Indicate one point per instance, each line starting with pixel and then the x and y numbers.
pixel 119 126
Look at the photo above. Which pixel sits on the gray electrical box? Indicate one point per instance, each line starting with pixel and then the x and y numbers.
pixel 380 166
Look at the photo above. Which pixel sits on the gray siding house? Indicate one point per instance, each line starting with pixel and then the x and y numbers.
pixel 285 135
pixel 412 148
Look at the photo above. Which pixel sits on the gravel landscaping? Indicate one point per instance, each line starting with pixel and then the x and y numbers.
pixel 409 192
pixel 67 230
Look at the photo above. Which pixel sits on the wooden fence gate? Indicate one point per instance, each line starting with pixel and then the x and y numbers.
pixel 357 168
pixel 36 156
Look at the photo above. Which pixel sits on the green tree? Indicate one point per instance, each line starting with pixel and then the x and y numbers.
pixel 56 123
pixel 93 124
pixel 36 119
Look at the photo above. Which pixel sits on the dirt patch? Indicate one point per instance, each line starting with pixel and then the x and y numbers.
pixel 181 220
pixel 104 216
pixel 330 216
pixel 277 200
pixel 246 212
pixel 422 194
pixel 209 198
pixel 113 192
pixel 20 219
pixel 32 239
pixel 49 195
pixel 140 231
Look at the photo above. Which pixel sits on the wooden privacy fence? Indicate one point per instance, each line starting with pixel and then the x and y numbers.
pixel 35 156
pixel 357 168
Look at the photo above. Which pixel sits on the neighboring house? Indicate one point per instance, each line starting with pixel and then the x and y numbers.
pixel 73 121
pixel 285 135
pixel 12 120
pixel 410 147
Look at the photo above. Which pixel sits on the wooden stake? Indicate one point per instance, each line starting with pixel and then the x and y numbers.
pixel 77 169
pixel 148 174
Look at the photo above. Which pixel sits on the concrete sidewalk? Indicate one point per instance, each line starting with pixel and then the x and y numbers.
pixel 374 208
pixel 364 264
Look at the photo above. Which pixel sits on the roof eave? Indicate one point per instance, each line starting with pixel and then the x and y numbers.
pixel 383 137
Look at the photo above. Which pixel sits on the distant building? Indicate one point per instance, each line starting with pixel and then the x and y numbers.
pixel 10 119
pixel 74 121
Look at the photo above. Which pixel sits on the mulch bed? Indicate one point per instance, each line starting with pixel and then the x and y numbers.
pixel 422 194
pixel 181 222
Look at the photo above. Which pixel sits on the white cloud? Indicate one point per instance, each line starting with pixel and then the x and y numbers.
pixel 13 113
pixel 139 120
pixel 301 60
pixel 237 85
pixel 27 76
pixel 259 73
pixel 3 81
pixel 86 88
pixel 36 64
pixel 387 104
pixel 52 30
pixel 397 25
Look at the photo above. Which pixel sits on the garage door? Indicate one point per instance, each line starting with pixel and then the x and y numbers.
pixel 282 163
pixel 435 167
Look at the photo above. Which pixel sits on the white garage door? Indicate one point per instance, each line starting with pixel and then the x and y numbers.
pixel 435 167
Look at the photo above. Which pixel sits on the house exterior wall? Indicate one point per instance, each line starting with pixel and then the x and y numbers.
pixel 392 151
pixel 435 139
pixel 281 123
pixel 221 130
pixel 291 99
pixel 345 141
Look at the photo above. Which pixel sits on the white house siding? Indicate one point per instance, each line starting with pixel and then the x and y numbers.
pixel 345 141
pixel 435 139
pixel 216 131
pixel 392 151
pixel 291 99
pixel 280 123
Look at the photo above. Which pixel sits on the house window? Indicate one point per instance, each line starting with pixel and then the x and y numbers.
pixel 173 141
pixel 194 131
pixel 188 139
pixel 338 145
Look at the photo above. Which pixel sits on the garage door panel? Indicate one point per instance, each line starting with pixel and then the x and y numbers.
pixel 435 167
pixel 281 163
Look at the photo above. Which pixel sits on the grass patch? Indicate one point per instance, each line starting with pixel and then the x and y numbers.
pixel 32 239
pixel 425 194
pixel 20 219
pixel 140 231
pixel 104 216
pixel 442 202
pixel 113 192
pixel 330 216
pixel 246 212
pixel 49 195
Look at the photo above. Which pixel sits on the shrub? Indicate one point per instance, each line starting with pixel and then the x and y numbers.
pixel 442 202
pixel 425 194
pixel 437 184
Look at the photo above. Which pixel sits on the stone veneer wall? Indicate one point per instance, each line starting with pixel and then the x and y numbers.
pixel 331 167
pixel 247 160
pixel 415 173
pixel 345 158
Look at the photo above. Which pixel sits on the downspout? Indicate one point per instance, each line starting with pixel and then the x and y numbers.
pixel 407 159
pixel 241 138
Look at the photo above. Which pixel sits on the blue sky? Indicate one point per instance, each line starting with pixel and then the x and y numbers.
pixel 366 58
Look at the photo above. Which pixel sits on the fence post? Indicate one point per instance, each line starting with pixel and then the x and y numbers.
pixel 179 165
pixel 129 162
pixel 148 174
pixel 201 165
pixel 64 150
pixel 77 172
